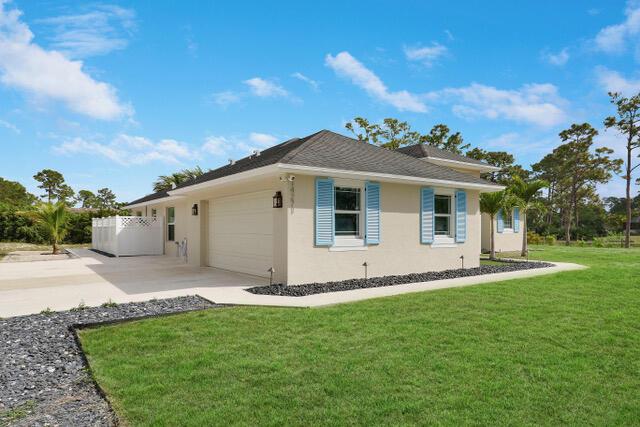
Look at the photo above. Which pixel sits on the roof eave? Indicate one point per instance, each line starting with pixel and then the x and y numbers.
pixel 464 165
pixel 152 201
pixel 341 173
pixel 264 170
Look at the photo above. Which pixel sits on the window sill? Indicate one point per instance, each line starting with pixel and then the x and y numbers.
pixel 508 231
pixel 346 244
pixel 444 242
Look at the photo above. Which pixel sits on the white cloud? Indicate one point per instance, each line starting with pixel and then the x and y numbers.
pixel 425 54
pixel 9 126
pixel 347 66
pixel 612 39
pixel 558 59
pixel 506 140
pixel 263 139
pixel 537 104
pixel 265 88
pixel 98 32
pixel 613 81
pixel 130 150
pixel 216 145
pixel 226 98
pixel 49 74
pixel 314 84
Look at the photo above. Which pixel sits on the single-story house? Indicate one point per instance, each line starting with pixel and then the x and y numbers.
pixel 507 225
pixel 318 208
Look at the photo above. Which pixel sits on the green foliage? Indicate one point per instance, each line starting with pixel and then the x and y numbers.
pixel 52 182
pixel 502 160
pixel 167 182
pixel 13 194
pixel 393 134
pixel 109 304
pixel 47 311
pixel 80 307
pixel 534 238
pixel 54 218
pixel 550 240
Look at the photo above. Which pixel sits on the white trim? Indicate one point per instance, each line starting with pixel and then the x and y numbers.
pixel 345 244
pixel 466 165
pixel 508 231
pixel 385 177
pixel 154 201
pixel 265 170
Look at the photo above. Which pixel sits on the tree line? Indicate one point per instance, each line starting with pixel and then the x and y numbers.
pixel 25 217
pixel 570 207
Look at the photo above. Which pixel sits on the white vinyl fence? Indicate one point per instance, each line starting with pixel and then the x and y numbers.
pixel 128 235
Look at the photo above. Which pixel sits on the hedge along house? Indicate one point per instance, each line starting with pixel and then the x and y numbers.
pixel 318 208
pixel 507 225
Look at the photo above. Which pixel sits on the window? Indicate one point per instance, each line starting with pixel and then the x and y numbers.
pixel 507 219
pixel 154 213
pixel 442 214
pixel 171 224
pixel 138 213
pixel 347 205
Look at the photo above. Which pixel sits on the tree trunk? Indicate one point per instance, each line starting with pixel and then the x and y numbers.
pixel 627 231
pixel 492 253
pixel 524 233
pixel 567 229
pixel 55 247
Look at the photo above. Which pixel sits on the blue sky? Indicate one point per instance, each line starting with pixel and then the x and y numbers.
pixel 115 94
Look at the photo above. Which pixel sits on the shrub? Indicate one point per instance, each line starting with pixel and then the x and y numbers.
pixel 550 240
pixel 533 238
pixel 598 242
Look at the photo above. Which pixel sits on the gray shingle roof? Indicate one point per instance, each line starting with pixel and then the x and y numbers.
pixel 326 149
pixel 424 150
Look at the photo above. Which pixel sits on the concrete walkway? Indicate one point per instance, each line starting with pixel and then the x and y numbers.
pixel 93 279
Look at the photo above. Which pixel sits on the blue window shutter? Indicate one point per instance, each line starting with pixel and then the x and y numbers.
pixel 516 220
pixel 461 216
pixel 372 213
pixel 500 221
pixel 426 215
pixel 324 212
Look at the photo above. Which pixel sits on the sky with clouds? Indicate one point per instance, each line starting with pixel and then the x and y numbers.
pixel 115 94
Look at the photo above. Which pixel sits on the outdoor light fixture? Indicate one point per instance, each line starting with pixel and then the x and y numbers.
pixel 277 200
pixel 194 209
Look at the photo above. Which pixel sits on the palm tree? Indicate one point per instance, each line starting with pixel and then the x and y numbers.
pixel 167 182
pixel 491 204
pixel 525 193
pixel 54 217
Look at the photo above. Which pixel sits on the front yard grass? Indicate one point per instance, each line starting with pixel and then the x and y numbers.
pixel 557 349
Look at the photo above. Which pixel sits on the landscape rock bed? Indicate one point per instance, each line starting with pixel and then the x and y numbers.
pixel 44 378
pixel 376 282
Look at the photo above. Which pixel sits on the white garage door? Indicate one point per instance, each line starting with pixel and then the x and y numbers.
pixel 241 233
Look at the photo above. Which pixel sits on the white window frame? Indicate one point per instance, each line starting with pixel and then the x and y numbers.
pixel 350 243
pixel 509 228
pixel 172 223
pixel 441 240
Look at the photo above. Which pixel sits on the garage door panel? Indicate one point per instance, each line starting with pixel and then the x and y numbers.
pixel 241 233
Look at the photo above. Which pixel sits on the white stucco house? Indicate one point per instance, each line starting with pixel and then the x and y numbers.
pixel 315 209
pixel 507 225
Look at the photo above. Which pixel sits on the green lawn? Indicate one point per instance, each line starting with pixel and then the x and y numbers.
pixel 558 349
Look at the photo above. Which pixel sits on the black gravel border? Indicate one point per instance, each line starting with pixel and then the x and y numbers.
pixel 44 373
pixel 103 253
pixel 376 282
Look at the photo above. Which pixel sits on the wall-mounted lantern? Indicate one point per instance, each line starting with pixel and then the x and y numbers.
pixel 277 200
pixel 194 209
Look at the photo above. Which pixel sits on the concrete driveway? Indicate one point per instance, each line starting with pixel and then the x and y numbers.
pixel 30 287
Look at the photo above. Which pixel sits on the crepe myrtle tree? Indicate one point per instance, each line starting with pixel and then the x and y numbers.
pixel 491 204
pixel 524 194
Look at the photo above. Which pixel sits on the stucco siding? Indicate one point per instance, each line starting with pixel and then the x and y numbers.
pixel 399 252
